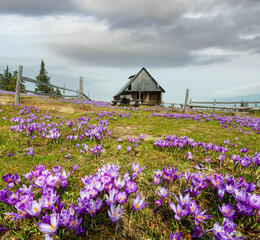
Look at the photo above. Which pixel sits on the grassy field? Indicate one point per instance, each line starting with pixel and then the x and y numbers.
pixel 21 151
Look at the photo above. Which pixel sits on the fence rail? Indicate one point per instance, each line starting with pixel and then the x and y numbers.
pixel 194 104
pixel 241 102
pixel 21 78
pixel 45 84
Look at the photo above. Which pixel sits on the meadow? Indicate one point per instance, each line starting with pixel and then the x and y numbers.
pixel 95 171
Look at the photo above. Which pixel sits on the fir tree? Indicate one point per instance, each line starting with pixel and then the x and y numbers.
pixel 57 92
pixel 5 79
pixel 8 80
pixel 43 77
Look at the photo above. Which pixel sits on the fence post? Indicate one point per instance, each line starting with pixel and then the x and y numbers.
pixel 63 91
pixel 214 104
pixel 81 90
pixel 18 85
pixel 186 100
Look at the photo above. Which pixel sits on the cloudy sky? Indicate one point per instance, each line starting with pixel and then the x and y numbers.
pixel 211 47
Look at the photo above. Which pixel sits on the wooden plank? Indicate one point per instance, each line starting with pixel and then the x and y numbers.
pixel 44 84
pixel 41 94
pixel 224 102
pixel 219 107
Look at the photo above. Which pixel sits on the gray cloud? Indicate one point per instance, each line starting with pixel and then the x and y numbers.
pixel 37 7
pixel 162 33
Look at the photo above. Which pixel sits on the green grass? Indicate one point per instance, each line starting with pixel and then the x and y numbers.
pixel 144 224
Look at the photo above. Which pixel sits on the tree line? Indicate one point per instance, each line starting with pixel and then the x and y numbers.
pixel 8 81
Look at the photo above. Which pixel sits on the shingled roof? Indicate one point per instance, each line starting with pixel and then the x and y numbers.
pixel 132 78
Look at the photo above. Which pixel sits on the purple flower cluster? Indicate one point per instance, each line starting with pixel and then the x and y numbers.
pixel 116 191
pixel 49 211
pixel 237 122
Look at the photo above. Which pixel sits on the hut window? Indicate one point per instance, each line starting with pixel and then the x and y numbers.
pixel 130 87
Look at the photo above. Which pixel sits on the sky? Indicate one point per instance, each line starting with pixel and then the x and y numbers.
pixel 211 47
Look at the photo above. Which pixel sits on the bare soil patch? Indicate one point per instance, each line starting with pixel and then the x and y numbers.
pixel 49 105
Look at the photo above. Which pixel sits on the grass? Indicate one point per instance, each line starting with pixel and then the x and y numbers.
pixel 144 224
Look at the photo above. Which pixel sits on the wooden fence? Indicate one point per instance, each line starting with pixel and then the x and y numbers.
pixel 243 105
pixel 79 94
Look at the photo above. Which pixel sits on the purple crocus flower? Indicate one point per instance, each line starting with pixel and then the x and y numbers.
pixel 119 184
pixel 179 210
pixel 9 179
pixel 189 156
pixel 127 177
pixel 219 231
pixel 52 227
pixel 115 213
pixel 129 149
pixel 85 146
pixel 136 169
pixel 35 208
pixel 40 181
pixel 138 204
pixel 199 216
pixel 163 192
pixel 255 201
pixel 130 187
pixel 244 209
pixel 75 167
pixel 183 200
pixel 48 200
pixel 157 180
pixel 226 142
pixel 175 236
pixel 56 169
pixel 94 206
pixel 119 147
pixel 158 203
pixel 244 150
pixel 245 161
pixel 52 181
pixel 235 158
pixel 121 197
pixel 197 233
pixel 192 206
pixel 227 210
pixel 30 151
pixel 229 224
pixel 222 157
pixel 25 190
pixel 110 198
pixel 81 231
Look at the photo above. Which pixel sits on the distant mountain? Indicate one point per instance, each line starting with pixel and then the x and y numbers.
pixel 247 98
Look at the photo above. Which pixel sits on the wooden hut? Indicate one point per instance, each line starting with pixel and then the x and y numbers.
pixel 140 89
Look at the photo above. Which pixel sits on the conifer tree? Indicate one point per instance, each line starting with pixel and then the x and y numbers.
pixel 57 92
pixel 5 79
pixel 43 77
pixel 8 80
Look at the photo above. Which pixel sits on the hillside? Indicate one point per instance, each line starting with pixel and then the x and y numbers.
pixel 84 167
